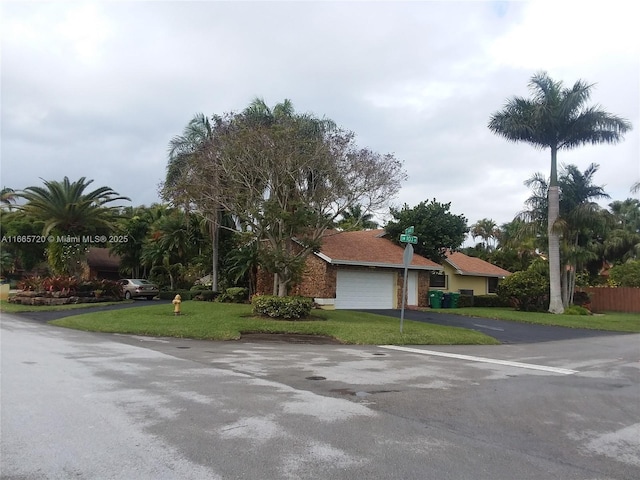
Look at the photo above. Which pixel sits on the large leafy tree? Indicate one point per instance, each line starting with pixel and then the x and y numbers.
pixel 286 177
pixel 438 230
pixel 68 209
pixel 556 118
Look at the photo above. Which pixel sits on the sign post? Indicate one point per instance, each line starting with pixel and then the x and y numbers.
pixel 409 239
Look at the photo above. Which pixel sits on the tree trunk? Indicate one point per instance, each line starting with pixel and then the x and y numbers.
pixel 555 295
pixel 214 223
pixel 282 289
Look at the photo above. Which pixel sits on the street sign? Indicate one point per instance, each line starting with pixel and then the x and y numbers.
pixel 409 231
pixel 408 255
pixel 406 258
pixel 408 238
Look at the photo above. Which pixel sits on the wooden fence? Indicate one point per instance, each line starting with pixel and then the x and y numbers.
pixel 619 299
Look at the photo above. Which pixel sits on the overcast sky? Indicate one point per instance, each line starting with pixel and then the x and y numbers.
pixel 98 89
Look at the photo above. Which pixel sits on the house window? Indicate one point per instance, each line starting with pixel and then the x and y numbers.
pixel 492 284
pixel 437 280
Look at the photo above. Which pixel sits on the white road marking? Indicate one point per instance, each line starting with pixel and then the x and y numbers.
pixel 530 366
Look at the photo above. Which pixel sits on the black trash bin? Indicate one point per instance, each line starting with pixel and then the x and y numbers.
pixel 446 300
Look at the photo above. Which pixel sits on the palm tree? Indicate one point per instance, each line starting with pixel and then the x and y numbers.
pixel 185 152
pixel 168 244
pixel 635 188
pixel 64 207
pixel 67 210
pixel 556 118
pixel 354 218
pixel 622 241
pixel 486 229
pixel 7 197
pixel 579 222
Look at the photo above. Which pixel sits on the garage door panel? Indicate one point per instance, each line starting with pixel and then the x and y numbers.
pixel 365 289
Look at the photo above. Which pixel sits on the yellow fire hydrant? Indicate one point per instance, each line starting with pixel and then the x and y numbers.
pixel 176 304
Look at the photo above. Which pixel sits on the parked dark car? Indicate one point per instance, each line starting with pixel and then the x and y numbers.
pixel 138 287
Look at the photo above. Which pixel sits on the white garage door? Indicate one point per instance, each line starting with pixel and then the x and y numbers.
pixel 367 290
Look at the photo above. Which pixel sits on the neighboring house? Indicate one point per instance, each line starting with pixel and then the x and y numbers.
pixel 360 270
pixel 101 264
pixel 468 275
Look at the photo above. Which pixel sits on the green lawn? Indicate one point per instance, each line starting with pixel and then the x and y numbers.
pixel 222 321
pixel 612 321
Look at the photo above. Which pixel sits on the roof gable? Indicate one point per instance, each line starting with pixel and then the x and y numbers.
pixel 367 248
pixel 466 265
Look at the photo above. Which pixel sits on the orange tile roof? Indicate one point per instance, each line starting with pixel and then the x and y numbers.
pixel 367 248
pixel 466 265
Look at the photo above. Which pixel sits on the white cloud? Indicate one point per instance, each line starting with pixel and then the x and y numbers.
pixel 98 89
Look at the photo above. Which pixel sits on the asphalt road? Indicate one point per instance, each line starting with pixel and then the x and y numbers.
pixel 505 332
pixel 99 406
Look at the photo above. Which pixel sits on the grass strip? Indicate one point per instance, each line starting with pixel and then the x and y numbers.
pixel 220 321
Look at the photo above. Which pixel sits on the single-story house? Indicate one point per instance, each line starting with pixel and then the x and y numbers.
pixel 360 270
pixel 467 275
pixel 101 264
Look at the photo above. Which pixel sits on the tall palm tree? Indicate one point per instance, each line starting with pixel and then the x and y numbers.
pixel 186 152
pixel 556 118
pixel 67 210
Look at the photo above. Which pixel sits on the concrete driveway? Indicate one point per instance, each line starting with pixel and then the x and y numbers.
pixel 504 331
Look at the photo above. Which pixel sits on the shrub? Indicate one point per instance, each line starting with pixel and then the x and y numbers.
pixel 465 301
pixel 171 294
pixel 64 284
pixel 581 299
pixel 490 301
pixel 282 307
pixel 109 288
pixel 527 290
pixel 576 310
pixel 200 288
pixel 204 295
pixel 234 295
pixel 32 283
pixel 626 274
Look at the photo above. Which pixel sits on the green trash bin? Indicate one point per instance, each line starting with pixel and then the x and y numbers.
pixel 455 297
pixel 435 298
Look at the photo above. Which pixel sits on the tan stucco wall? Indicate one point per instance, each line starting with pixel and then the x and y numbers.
pixel 456 282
